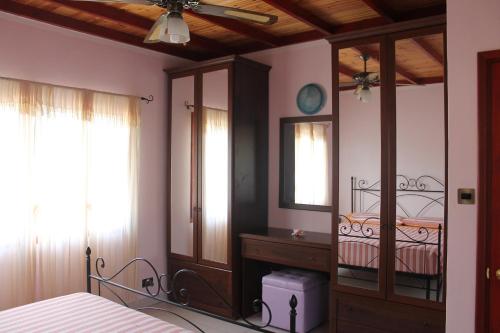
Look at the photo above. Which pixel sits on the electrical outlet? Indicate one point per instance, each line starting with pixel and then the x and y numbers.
pixel 148 282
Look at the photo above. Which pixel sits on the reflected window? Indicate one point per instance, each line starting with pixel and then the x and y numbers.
pixel 305 163
pixel 311 164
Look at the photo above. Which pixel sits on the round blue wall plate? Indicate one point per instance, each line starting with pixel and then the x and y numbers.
pixel 310 99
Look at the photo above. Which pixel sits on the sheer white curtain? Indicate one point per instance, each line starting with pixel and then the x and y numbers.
pixel 311 164
pixel 215 185
pixel 69 179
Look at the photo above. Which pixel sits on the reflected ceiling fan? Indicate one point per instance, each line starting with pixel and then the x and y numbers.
pixel 363 81
pixel 171 27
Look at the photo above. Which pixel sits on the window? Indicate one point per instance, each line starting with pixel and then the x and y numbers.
pixel 68 179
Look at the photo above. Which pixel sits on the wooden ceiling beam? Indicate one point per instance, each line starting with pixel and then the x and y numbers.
pixel 30 12
pixel 102 11
pixel 241 28
pixel 422 12
pixel 381 9
pixel 303 15
pixel 429 50
pixel 390 16
pixel 374 54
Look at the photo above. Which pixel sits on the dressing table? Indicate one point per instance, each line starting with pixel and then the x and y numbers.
pixel 275 247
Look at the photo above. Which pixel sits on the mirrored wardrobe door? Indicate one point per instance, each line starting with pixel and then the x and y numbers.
pixel 215 171
pixel 359 233
pixel 183 198
pixel 419 227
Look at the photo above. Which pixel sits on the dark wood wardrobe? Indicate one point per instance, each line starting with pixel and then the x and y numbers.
pixel 217 174
pixel 392 291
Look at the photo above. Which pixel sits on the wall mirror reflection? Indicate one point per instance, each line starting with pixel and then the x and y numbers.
pixel 305 162
pixel 397 201
pixel 420 164
pixel 359 233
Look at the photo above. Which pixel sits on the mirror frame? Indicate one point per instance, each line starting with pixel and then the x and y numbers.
pixel 293 120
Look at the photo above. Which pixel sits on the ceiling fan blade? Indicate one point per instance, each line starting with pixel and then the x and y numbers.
pixel 140 2
pixel 348 84
pixel 235 13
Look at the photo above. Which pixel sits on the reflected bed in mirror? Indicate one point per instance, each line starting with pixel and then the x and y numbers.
pixel 305 162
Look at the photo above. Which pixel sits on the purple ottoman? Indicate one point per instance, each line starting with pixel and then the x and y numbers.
pixel 311 290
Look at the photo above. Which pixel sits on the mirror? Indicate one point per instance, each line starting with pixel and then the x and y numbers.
pixel 183 203
pixel 359 225
pixel 215 166
pixel 305 163
pixel 420 165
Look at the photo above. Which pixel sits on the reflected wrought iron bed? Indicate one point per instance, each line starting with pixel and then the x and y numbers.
pixel 419 245
pixel 168 292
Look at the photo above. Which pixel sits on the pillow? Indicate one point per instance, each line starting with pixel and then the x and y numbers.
pixel 426 222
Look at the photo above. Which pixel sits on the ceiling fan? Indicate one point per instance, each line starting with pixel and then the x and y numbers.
pixel 171 27
pixel 363 81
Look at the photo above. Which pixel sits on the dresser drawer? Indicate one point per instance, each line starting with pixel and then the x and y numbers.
pixel 287 254
pixel 376 316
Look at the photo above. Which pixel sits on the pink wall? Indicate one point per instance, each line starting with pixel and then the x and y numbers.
pixel 292 68
pixel 35 51
pixel 420 143
pixel 473 26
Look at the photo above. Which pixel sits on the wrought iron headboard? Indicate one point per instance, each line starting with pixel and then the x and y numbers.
pixel 428 188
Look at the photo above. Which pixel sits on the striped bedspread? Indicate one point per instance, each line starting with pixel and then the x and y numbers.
pixel 359 246
pixel 80 312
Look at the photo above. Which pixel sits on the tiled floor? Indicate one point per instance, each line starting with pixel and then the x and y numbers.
pixel 208 324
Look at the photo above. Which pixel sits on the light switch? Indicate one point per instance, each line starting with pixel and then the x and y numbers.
pixel 466 196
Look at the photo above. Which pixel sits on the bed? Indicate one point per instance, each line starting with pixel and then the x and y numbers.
pixel 87 312
pixel 419 239
pixel 71 313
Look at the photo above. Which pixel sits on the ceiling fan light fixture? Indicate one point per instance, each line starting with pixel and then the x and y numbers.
pixel 177 31
pixel 364 94
pixel 158 30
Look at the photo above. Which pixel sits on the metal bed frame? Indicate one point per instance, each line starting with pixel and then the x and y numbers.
pixel 427 188
pixel 168 292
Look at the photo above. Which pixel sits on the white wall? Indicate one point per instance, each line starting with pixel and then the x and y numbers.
pixel 40 52
pixel 473 26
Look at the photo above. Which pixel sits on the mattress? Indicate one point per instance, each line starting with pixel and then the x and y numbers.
pixel 360 248
pixel 81 312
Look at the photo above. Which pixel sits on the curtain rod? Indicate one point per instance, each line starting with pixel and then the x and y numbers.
pixel 148 99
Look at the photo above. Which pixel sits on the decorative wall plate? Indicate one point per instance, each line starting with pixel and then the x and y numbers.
pixel 310 99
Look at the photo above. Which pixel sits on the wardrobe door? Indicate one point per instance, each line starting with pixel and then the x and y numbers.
pixel 215 168
pixel 359 228
pixel 183 184
pixel 417 237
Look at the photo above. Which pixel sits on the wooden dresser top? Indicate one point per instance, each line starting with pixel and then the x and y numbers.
pixel 279 235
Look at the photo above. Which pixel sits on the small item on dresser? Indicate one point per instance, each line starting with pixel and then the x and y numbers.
pixel 298 233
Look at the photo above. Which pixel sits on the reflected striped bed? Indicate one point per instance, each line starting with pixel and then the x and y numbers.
pixel 81 312
pixel 362 251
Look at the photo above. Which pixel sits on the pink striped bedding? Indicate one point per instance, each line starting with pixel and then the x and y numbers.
pixel 411 257
pixel 80 312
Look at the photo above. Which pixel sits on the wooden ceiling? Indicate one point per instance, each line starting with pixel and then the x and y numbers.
pixel 211 37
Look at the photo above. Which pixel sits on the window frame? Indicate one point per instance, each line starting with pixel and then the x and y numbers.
pixel 284 179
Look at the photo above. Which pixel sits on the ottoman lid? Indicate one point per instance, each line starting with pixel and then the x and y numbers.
pixel 293 279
